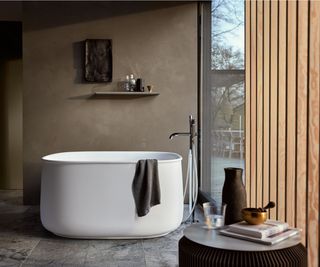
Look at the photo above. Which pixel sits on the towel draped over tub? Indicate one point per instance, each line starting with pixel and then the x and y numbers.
pixel 145 186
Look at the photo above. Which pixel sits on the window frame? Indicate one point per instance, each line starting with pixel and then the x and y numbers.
pixel 204 140
pixel 204 81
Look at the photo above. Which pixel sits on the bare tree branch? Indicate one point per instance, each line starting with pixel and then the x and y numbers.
pixel 226 31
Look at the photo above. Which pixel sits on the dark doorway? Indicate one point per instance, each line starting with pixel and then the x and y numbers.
pixel 10 105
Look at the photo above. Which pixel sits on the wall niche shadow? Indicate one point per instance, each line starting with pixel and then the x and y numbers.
pixel 78 61
pixel 55 14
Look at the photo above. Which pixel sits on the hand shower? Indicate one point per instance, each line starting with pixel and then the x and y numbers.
pixel 192 174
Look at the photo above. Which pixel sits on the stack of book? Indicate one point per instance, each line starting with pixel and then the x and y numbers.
pixel 269 233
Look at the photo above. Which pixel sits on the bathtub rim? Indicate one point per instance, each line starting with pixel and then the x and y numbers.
pixel 47 159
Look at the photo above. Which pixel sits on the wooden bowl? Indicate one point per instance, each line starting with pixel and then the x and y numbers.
pixel 254 216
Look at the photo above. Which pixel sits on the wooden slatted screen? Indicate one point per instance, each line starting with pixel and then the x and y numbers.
pixel 282 112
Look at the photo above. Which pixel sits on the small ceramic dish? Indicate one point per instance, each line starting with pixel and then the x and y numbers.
pixel 254 215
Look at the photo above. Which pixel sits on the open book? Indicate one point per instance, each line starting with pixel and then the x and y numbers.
pixel 271 240
pixel 269 228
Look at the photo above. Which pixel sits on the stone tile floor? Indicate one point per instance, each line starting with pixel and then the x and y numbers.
pixel 24 242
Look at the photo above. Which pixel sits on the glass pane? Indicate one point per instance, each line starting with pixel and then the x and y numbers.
pixel 225 95
pixel 227 34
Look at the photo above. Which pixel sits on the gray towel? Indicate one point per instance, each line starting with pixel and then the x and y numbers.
pixel 145 186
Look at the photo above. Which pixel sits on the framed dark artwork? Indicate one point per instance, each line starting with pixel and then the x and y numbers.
pixel 98 60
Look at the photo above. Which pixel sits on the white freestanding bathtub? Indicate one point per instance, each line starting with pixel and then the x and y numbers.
pixel 89 195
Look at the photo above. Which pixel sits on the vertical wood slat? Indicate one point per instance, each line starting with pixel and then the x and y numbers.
pixel 259 105
pixel 282 71
pixel 313 135
pixel 302 94
pixel 273 105
pixel 285 55
pixel 266 99
pixel 291 112
pixel 253 93
pixel 248 99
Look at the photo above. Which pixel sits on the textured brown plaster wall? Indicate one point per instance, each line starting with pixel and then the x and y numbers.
pixel 10 11
pixel 157 41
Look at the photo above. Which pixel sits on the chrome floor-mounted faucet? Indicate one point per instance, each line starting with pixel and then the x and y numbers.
pixel 192 175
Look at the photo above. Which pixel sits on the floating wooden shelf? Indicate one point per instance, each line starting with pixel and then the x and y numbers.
pixel 114 94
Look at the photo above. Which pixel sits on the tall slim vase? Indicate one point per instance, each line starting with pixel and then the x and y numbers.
pixel 234 195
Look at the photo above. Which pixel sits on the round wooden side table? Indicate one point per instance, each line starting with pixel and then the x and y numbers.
pixel 205 248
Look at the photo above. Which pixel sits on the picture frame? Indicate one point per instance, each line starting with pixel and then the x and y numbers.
pixel 98 60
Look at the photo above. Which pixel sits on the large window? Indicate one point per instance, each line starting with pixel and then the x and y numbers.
pixel 222 92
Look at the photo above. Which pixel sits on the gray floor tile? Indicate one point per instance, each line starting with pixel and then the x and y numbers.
pixel 14 251
pixel 163 259
pixel 115 253
pixel 24 242
pixel 163 251
pixel 58 252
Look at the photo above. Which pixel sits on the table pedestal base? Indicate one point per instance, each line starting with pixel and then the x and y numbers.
pixel 192 254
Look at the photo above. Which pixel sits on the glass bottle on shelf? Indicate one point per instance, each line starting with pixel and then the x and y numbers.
pixel 132 83
pixel 127 84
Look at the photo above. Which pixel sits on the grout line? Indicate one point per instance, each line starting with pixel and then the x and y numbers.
pixel 144 252
pixel 21 264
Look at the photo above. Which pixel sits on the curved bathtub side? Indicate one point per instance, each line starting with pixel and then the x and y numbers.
pixel 95 201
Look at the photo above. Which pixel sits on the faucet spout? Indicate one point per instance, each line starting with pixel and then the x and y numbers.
pixel 191 134
pixel 178 134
